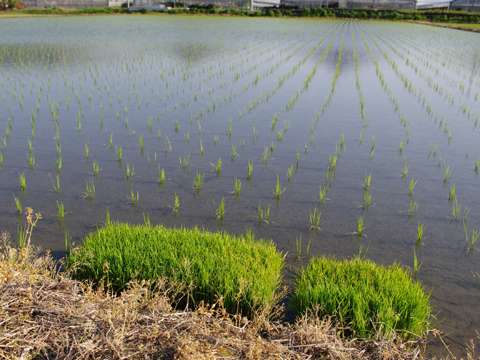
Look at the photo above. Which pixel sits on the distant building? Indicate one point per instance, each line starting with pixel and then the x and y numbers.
pixel 465 5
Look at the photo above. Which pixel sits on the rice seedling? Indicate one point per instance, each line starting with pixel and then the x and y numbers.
pixel 184 163
pixel 220 211
pixel 366 183
pixel 298 156
pixel 367 198
pixel 263 214
pixel 229 130
pixel 168 146
pixel 201 148
pixel 90 190
pixel 233 153
pixel 315 220
pixel 249 170
pixel 87 152
pixel 161 176
pixel 416 265
pixel 420 232
pixel 176 204
pixel 130 172
pixel 447 176
pixel 198 182
pixel 31 160
pixel 119 155
pixel 237 187
pixel 457 210
pixel 141 144
pixel 278 192
pixel 473 240
pixel 61 211
pixel 17 203
pixel 477 165
pixel 451 194
pixel 133 198
pixel 360 228
pixel 218 167
pixel 411 186
pixel 404 173
pixel 176 127
pixel 23 185
pixel 271 147
pixel 96 169
pixel 400 148
pixel 412 209
pixel 289 173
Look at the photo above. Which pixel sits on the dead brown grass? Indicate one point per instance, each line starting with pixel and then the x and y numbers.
pixel 46 315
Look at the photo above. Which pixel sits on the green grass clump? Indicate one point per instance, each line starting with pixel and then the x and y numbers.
pixel 246 273
pixel 362 297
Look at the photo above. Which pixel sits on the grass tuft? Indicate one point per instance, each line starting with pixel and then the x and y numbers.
pixel 363 298
pixel 210 265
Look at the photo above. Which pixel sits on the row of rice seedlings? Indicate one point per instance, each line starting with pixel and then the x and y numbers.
pixel 437 88
pixel 404 79
pixel 357 78
pixel 456 209
pixel 335 76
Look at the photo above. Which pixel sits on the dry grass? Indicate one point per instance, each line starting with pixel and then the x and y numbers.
pixel 46 315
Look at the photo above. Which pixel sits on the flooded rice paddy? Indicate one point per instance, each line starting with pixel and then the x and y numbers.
pixel 326 136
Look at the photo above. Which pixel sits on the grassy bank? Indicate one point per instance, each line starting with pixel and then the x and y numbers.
pixel 455 18
pixel 243 272
pixel 48 315
pixel 133 300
